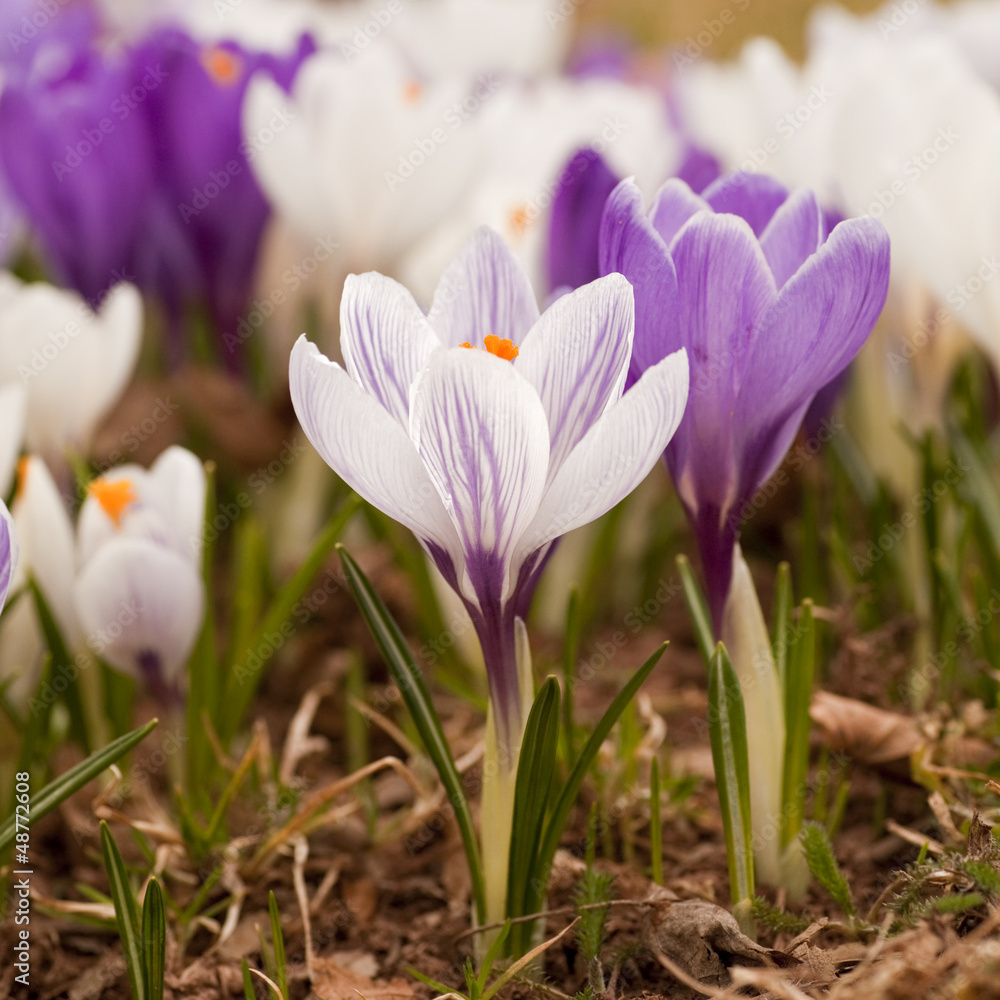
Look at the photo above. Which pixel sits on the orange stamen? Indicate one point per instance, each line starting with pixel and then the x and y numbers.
pixel 22 475
pixel 412 92
pixel 519 220
pixel 505 348
pixel 222 65
pixel 114 497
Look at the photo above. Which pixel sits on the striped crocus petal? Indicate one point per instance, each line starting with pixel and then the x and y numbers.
pixel 483 291
pixel 141 606
pixel 8 551
pixel 576 356
pixel 482 434
pixel 385 338
pixel 365 445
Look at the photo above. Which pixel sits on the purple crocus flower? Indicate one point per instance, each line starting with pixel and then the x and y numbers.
pixel 487 429
pixel 8 552
pixel 79 161
pixel 770 308
pixel 209 213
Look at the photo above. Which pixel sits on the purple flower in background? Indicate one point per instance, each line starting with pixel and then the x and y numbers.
pixel 79 161
pixel 8 552
pixel 770 307
pixel 209 213
pixel 491 452
pixel 132 166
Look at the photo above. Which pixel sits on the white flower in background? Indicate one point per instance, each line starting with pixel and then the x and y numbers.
pixel 139 592
pixel 73 362
pixel 528 133
pixel 362 153
pixel 468 37
pixel 13 409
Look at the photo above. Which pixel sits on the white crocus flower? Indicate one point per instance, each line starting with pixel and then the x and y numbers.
pixel 139 593
pixel 73 362
pixel 13 409
pixel 361 153
pixel 529 132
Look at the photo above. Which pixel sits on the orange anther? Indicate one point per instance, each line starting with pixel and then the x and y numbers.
pixel 114 496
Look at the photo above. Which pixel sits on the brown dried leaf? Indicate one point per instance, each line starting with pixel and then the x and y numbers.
pixel 871 735
pixel 705 939
pixel 333 982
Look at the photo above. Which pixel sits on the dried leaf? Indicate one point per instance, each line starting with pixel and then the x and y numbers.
pixel 871 735
pixel 333 982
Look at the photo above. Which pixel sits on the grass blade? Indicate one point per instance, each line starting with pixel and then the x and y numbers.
pixel 243 679
pixel 560 812
pixel 410 682
pixel 76 777
pixel 536 765
pixel 278 942
pixel 571 651
pixel 728 736
pixel 154 940
pixel 126 913
pixel 798 694
pixel 782 616
pixel 700 617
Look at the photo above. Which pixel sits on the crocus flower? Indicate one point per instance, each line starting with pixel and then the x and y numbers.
pixel 770 308
pixel 78 157
pixel 209 212
pixel 139 594
pixel 486 429
pixel 72 361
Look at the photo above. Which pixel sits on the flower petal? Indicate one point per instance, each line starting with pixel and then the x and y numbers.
pixel 616 454
pixel 672 206
pixel 46 535
pixel 822 317
pixel 575 222
pixel 385 338
pixel 724 289
pixel 482 433
pixel 576 356
pixel 484 290
pixel 175 485
pixel 753 197
pixel 13 409
pixel 793 235
pixel 8 551
pixel 631 246
pixel 365 445
pixel 138 600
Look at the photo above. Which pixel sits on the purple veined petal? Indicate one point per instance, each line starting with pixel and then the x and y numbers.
pixel 616 454
pixel 575 221
pixel 577 356
pixel 630 246
pixel 483 291
pixel 141 608
pixel 386 339
pixel 793 235
pixel 672 206
pixel 8 551
pixel 751 196
pixel 818 324
pixel 363 443
pixel 481 431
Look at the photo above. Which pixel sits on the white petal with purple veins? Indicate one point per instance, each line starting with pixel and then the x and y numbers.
pixel 138 601
pixel 616 454
pixel 385 338
pixel 8 551
pixel 365 445
pixel 481 432
pixel 577 357
pixel 483 291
